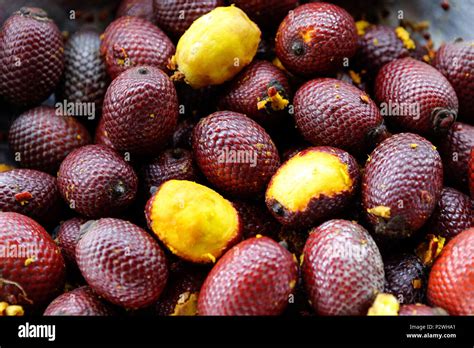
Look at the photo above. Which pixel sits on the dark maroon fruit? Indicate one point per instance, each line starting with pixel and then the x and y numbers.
pixel 256 219
pixel 68 236
pixel 101 136
pixel 266 13
pixel 182 136
pixel 420 309
pixel 136 8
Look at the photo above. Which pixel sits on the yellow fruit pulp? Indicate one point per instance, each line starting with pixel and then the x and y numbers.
pixel 384 304
pixel 216 47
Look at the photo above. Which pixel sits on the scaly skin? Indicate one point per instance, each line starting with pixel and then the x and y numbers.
pixel 471 173
pixel 420 309
pixel 136 8
pixel 256 219
pixel 68 236
pixel 266 13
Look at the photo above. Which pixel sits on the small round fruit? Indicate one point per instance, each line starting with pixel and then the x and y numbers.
pixel 31 57
pixel 452 276
pixel 266 13
pixel 140 110
pixel 193 221
pixel 41 139
pixel 261 91
pixel 136 8
pixel 234 153
pixel 31 193
pixel 95 181
pixel 402 182
pixel 78 302
pixel 315 39
pixel 256 277
pixel 313 185
pixel 335 113
pixel 420 309
pixel 342 269
pixel 133 41
pixel 68 236
pixel 216 47
pixel 122 263
pixel 416 97
pixel 34 271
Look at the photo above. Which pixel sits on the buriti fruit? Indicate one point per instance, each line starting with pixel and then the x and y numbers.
pixel 101 136
pixel 256 219
pixel 116 257
pixel 452 215
pixel 31 193
pixel 176 16
pixel 41 138
pixel 452 276
pixel 67 238
pixel 315 38
pixel 140 110
pixel 406 278
pixel 470 172
pixel 31 267
pixel 416 97
pixel 456 62
pixel 342 269
pixel 314 184
pixel 85 78
pixel 95 181
pixel 256 277
pixel 261 91
pixel 136 8
pixel 334 113
pixel 402 182
pixel 132 41
pixel 216 47
pixel 234 153
pixel 193 221
pixel 31 57
pixel 79 302
pixel 266 13
pixel 420 309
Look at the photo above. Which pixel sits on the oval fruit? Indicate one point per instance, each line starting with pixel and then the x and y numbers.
pixel 136 8
pixel 193 221
pixel 266 13
pixel 420 309
pixel 256 277
pixel 314 184
pixel 68 236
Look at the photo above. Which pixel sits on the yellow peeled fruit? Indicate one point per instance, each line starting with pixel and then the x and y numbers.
pixel 216 47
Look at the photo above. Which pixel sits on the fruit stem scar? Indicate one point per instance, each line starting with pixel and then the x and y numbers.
pixel 23 294
pixel 442 119
pixel 298 48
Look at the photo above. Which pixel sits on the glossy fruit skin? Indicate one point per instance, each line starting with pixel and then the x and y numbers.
pixel 85 78
pixel 406 278
pixel 408 81
pixel 43 139
pixel 342 269
pixel 116 257
pixel 140 110
pixel 67 237
pixel 405 174
pixel 452 215
pixel 455 150
pixel 31 57
pixel 136 8
pixel 175 17
pixel 266 13
pixel 331 36
pixel 95 181
pixel 31 193
pixel 256 219
pixel 223 133
pixel 420 309
pixel 452 276
pixel 456 62
pixel 41 279
pixel 79 302
pixel 132 41
pixel 182 136
pixel 252 85
pixel 332 113
pixel 170 164
pixel 101 136
pixel 470 171
pixel 253 278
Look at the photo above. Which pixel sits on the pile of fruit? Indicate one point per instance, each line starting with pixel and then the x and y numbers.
pixel 260 157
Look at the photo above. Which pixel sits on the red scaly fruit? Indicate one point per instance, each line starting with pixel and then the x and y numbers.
pixel 420 309
pixel 122 263
pixel 452 215
pixel 36 273
pixel 335 113
pixel 256 219
pixel 455 149
pixel 79 302
pixel 234 153
pixel 315 39
pixel 101 136
pixel 41 139
pixel 136 8
pixel 416 97
pixel 95 181
pixel 452 277
pixel 132 41
pixel 266 13
pixel 470 171
pixel 68 236
pixel 402 182
pixel 176 16
pixel 182 136
pixel 255 277
pixel 31 193
pixel 456 62
pixel 342 269
pixel 140 111
pixel 261 91
pixel 31 57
